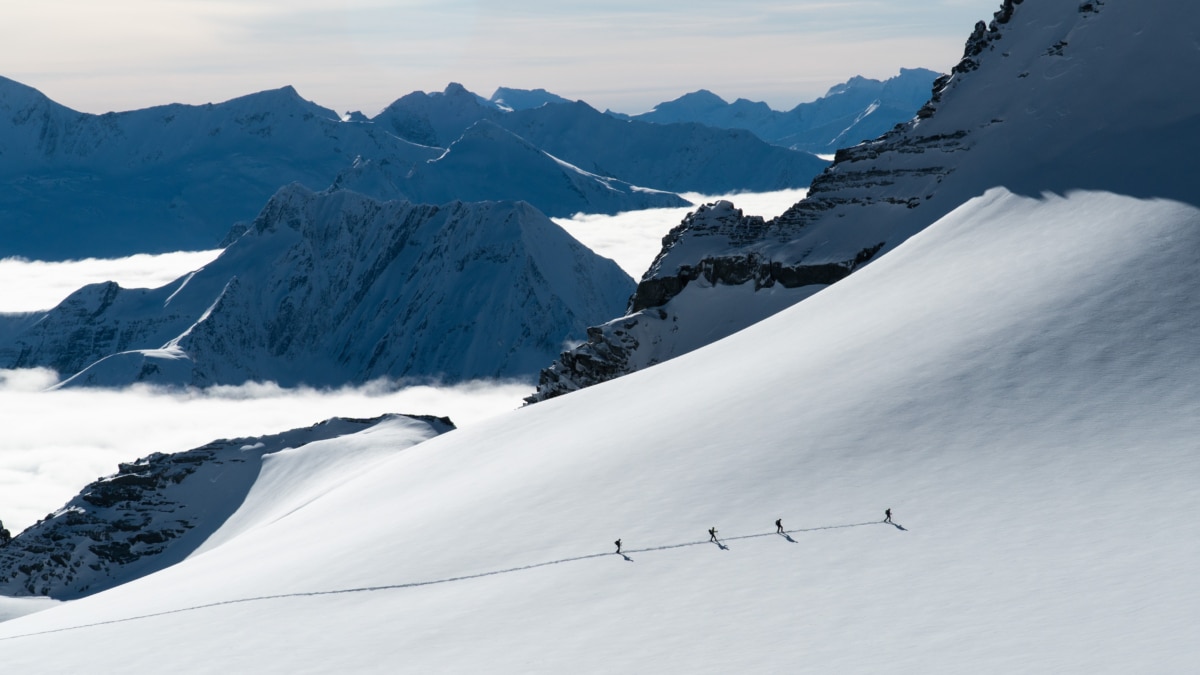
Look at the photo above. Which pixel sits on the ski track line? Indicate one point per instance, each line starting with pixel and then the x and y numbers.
pixel 416 584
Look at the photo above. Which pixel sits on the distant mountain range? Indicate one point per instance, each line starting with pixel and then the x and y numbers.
pixel 177 177
pixel 859 109
pixel 334 288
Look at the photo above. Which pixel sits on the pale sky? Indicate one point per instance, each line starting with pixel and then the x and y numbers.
pixel 363 54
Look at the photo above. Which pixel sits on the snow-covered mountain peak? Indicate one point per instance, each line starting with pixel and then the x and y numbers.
pixel 510 99
pixel 690 104
pixel 321 290
pixel 282 100
pixel 16 97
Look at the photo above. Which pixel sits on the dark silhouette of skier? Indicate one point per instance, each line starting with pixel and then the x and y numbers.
pixel 712 534
pixel 618 543
pixel 887 515
pixel 779 526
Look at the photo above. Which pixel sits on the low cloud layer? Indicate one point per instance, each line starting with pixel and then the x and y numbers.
pixel 36 285
pixel 634 238
pixel 55 442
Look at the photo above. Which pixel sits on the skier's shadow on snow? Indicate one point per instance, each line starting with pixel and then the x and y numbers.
pixel 898 526
pixel 627 558
pixel 721 546
pixel 787 536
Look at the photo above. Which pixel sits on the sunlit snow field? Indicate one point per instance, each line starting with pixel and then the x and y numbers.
pixel 56 442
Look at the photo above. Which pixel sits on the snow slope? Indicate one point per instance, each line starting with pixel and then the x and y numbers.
pixel 159 509
pixel 677 157
pixel 1017 382
pixel 674 157
pixel 333 288
pixel 1031 107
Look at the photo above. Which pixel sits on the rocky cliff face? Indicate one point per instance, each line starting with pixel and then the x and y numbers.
pixel 155 511
pixel 1029 107
pixel 335 288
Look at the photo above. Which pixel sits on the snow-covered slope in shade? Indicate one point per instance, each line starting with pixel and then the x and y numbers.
pixel 675 157
pixel 489 163
pixel 160 509
pixel 334 288
pixel 1018 383
pixel 1030 108
pixel 686 157
pixel 436 118
pixel 166 178
pixel 856 110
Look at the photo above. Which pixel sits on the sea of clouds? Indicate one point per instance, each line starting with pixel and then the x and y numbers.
pixel 54 442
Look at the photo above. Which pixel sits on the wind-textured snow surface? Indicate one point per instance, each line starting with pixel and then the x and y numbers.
pixel 336 288
pixel 1017 382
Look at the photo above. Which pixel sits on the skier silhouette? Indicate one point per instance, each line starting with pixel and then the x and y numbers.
pixel 618 543
pixel 712 534
pixel 779 526
pixel 888 516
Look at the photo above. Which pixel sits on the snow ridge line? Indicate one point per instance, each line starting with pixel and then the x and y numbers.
pixel 415 584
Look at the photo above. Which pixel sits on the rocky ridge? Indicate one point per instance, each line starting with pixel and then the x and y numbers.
pixel 154 512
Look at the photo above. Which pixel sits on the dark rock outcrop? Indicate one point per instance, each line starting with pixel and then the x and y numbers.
pixel 152 513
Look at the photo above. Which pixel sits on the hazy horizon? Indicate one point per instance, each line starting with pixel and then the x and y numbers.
pixel 364 54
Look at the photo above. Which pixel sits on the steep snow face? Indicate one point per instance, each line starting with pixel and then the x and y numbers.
pixel 1018 383
pixel 158 510
pixel 489 163
pixel 337 288
pixel 856 110
pixel 1029 108
pixel 166 178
